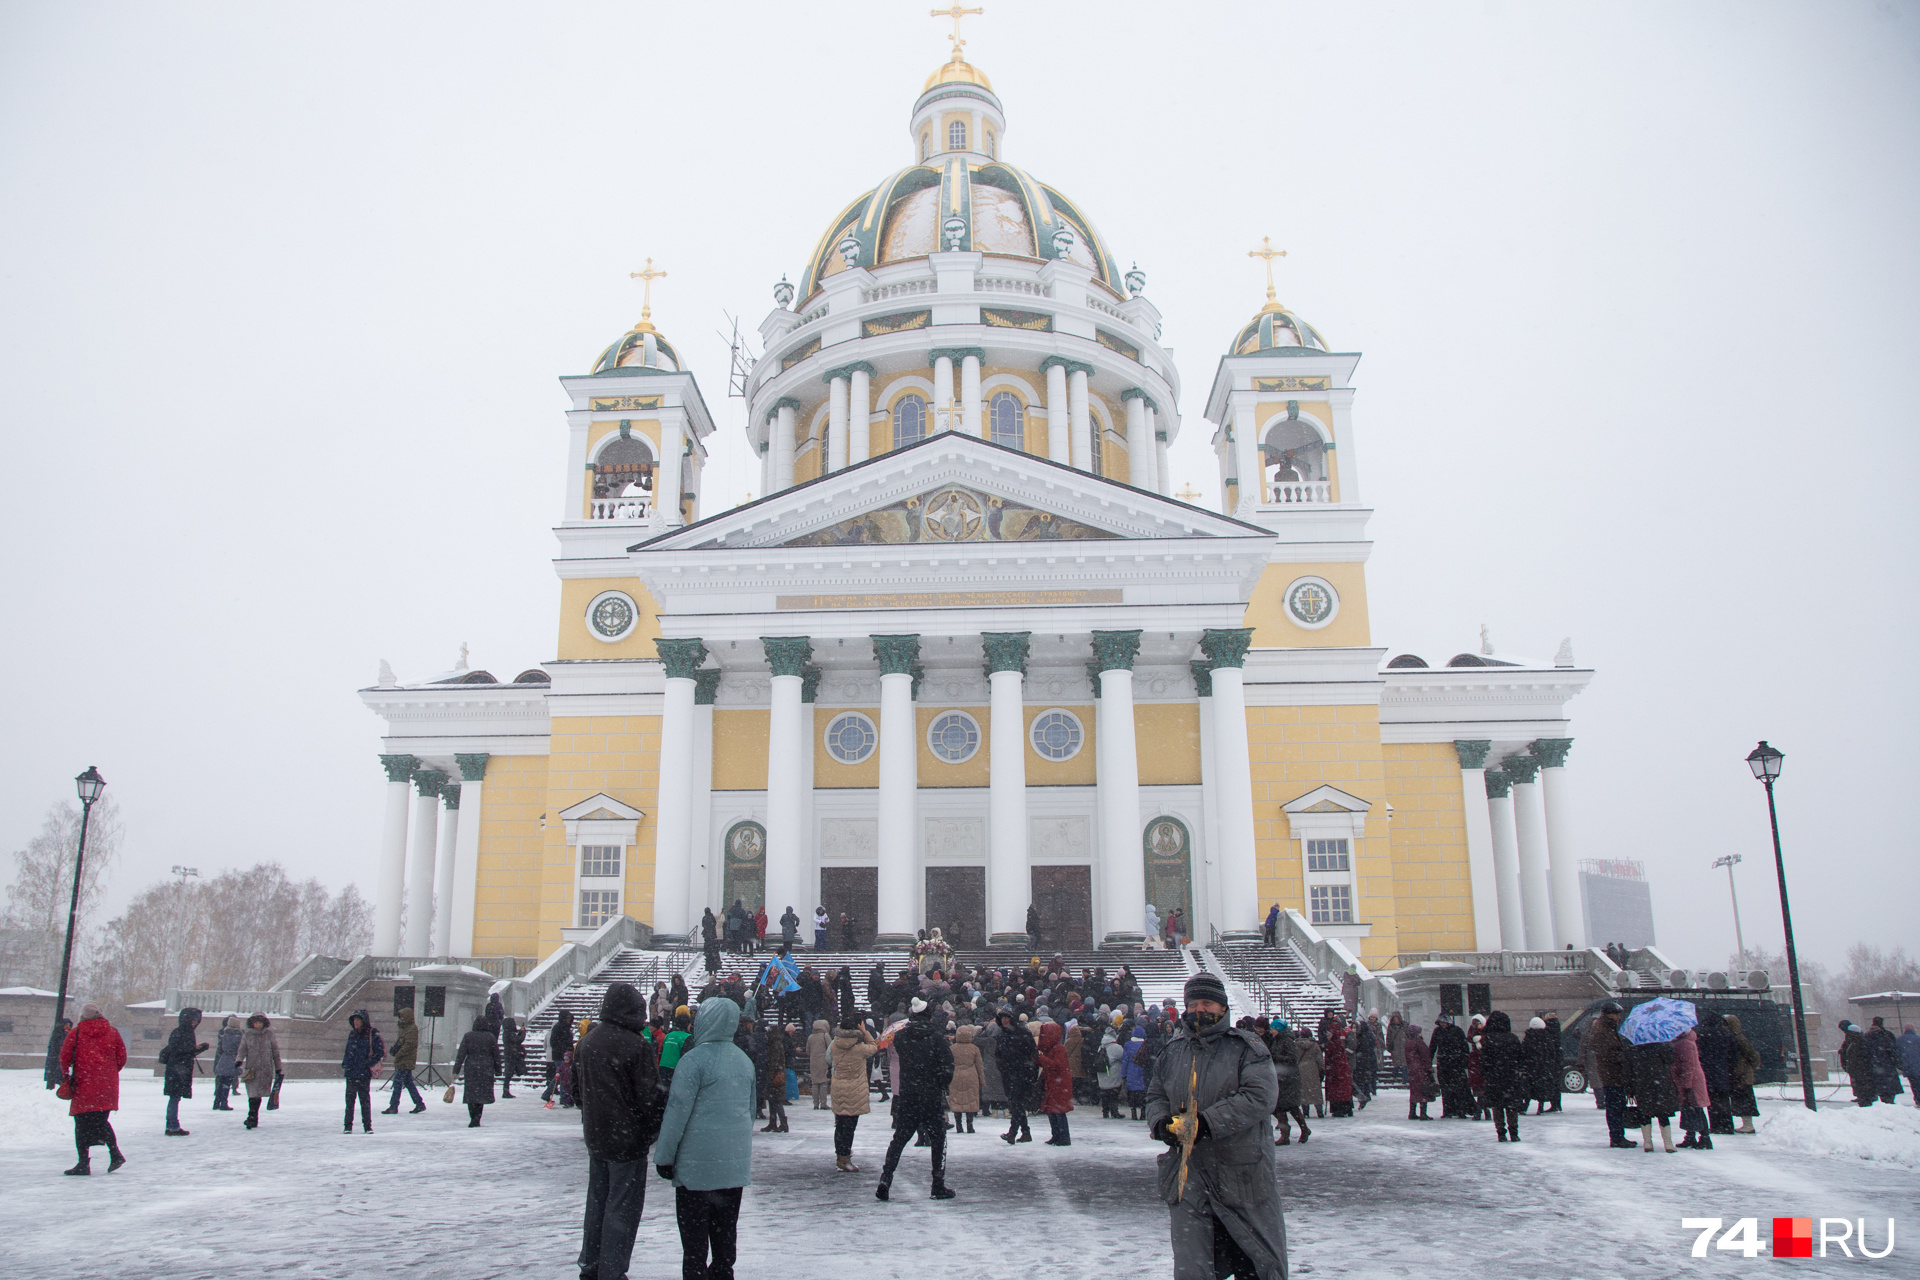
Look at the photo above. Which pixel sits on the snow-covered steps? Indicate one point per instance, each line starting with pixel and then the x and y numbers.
pixel 1279 981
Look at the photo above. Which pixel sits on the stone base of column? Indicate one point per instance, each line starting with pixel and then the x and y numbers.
pixel 893 942
pixel 1013 941
pixel 1123 938
pixel 1242 935
pixel 677 940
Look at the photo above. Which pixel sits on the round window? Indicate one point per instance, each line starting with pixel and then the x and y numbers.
pixel 851 738
pixel 1057 734
pixel 612 615
pixel 953 736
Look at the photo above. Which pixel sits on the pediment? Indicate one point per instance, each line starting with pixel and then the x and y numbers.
pixel 1327 799
pixel 601 808
pixel 953 489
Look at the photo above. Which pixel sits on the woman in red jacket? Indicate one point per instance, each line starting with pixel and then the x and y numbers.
pixel 90 1061
pixel 1690 1085
pixel 1056 1083
pixel 1338 1079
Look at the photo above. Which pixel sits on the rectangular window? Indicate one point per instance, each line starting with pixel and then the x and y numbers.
pixel 600 859
pixel 1327 855
pixel 597 906
pixel 1331 903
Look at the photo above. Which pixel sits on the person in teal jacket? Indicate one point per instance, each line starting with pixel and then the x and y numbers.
pixel 706 1139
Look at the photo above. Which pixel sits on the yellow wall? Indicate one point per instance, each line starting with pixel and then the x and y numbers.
pixel 1167 741
pixel 740 750
pixel 618 755
pixel 1432 884
pixel 827 771
pixel 506 900
pixel 1077 772
pixel 935 772
pixel 1274 628
pixel 577 640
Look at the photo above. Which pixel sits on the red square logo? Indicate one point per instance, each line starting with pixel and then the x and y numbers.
pixel 1793 1237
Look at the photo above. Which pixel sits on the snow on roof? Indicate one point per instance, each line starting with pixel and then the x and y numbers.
pixel 1882 995
pixel 29 991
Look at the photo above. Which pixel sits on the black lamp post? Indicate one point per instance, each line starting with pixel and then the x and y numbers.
pixel 89 784
pixel 1765 763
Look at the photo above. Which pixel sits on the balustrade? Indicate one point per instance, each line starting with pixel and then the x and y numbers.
pixel 1289 493
pixel 638 506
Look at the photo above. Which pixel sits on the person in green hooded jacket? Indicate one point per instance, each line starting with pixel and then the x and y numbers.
pixel 706 1139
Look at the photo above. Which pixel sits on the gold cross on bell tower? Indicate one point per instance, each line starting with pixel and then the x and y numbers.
pixel 1268 252
pixel 647 277
pixel 956 13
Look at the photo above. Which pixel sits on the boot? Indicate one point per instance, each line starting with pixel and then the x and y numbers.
pixel 113 1165
pixel 393 1110
pixel 880 1192
pixel 1282 1141
pixel 1705 1143
pixel 1026 1134
pixel 1666 1136
pixel 1646 1138
pixel 176 1133
pixel 1686 1143
pixel 423 1106
pixel 845 1164
pixel 1513 1126
pixel 80 1170
pixel 969 1122
pixel 1305 1132
pixel 1746 1124
pixel 941 1191
pixel 783 1123
pixel 1010 1137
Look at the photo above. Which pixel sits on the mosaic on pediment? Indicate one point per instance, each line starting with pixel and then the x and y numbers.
pixel 952 513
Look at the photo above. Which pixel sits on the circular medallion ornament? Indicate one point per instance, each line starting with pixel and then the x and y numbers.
pixel 612 615
pixel 1312 602
pixel 953 736
pixel 953 515
pixel 1057 734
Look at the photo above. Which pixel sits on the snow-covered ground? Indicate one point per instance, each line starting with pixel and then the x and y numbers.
pixel 424 1196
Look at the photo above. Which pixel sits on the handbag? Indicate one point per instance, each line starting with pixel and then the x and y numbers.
pixel 64 1091
pixel 448 1095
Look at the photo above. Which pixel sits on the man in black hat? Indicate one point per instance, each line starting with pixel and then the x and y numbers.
pixel 1609 1056
pixel 1226 1219
pixel 926 1069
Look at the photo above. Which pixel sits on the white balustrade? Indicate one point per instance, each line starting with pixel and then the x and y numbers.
pixel 1008 284
pixel 636 507
pixel 1287 493
pixel 905 288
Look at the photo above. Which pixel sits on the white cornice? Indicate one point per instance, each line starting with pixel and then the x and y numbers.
pixel 1233 371
pixel 1500 703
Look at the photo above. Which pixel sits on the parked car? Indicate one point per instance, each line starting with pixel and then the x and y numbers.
pixel 1767 1024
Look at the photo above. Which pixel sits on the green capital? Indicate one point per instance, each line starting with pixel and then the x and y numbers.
pixel 428 782
pixel 810 683
pixel 1202 678
pixel 1116 650
pixel 1499 785
pixel 1521 768
pixel 896 654
pixel 1472 752
pixel 788 655
pixel 1226 646
pixel 705 685
pixel 399 768
pixel 681 657
pixel 1550 752
pixel 919 674
pixel 1093 677
pixel 1006 650
pixel 473 768
pixel 450 796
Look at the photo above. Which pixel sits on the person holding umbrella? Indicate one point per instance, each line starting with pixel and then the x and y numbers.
pixel 1650 1030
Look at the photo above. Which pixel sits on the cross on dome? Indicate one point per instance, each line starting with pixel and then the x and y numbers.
pixel 1268 252
pixel 647 277
pixel 956 13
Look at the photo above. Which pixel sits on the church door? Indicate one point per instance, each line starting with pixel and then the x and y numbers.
pixel 957 904
pixel 746 867
pixel 1064 898
pixel 1169 853
pixel 856 892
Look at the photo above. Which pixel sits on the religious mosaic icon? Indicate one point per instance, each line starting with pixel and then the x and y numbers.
pixel 612 615
pixel 953 515
pixel 1312 602
pixel 746 843
pixel 1167 839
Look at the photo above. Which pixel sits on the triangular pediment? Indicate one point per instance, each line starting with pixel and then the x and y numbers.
pixel 601 808
pixel 1327 799
pixel 953 489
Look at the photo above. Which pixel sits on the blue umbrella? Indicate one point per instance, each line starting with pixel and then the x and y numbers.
pixel 1658 1020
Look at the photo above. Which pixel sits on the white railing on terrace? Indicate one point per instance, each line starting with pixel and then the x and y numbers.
pixel 637 507
pixel 812 315
pixel 1008 284
pixel 522 994
pixel 1107 308
pixel 906 288
pixel 1288 493
pixel 287 1000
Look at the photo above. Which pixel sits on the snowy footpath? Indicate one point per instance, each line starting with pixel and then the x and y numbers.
pixel 425 1196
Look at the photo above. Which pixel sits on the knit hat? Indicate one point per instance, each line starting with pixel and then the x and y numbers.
pixel 89 1010
pixel 918 1005
pixel 1535 1024
pixel 1205 986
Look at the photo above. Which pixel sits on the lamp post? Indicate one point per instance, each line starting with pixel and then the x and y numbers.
pixel 89 784
pixel 1731 861
pixel 1765 763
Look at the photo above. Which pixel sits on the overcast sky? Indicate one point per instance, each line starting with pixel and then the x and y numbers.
pixel 286 291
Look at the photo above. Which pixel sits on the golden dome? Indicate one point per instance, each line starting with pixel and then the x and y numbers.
pixel 958 71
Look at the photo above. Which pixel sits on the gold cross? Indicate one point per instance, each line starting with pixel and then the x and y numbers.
pixel 1188 494
pixel 956 13
pixel 1267 251
pixel 646 299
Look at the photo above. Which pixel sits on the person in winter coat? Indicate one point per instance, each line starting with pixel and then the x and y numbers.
pixel 362 1054
pixel 1019 1062
pixel 1613 1081
pixel 1227 1218
pixel 1542 1044
pixel 406 1056
pixel 89 1064
pixel 710 939
pixel 559 1045
pixel 513 1048
pixel 1350 992
pixel 993 1090
pixel 1909 1043
pixel 1715 1043
pixel 1134 1065
pixel 926 1070
pixel 478 1062
pixel 1313 1065
pixel 1286 1084
pixel 852 1045
pixel 1112 1076
pixel 1651 1068
pixel 758 941
pixel 1363 1046
pixel 1397 1039
pixel 963 1091
pixel 1503 1070
pixel 789 928
pixel 1270 928
pixel 259 1064
pixel 177 1056
pixel 775 1057
pixel 1883 1055
pixel 1339 1072
pixel 1419 1067
pixel 225 1074
pixel 706 1140
pixel 819 1065
pixel 1857 1063
pixel 1690 1087
pixel 673 1044
pixel 1746 1062
pixel 1056 1084
pixel 1448 1048
pixel 619 1117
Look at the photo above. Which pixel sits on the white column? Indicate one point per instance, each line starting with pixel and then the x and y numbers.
pixel 700 884
pixel 1079 420
pixel 393 857
pixel 859 416
pixel 466 855
pixel 899 747
pixel 1139 444
pixel 1506 859
pixel 1208 907
pixel 1162 475
pixel 1123 870
pixel 416 936
pixel 783 445
pixel 1563 870
pixel 943 405
pixel 786 776
pixel 1530 833
pixel 808 882
pixel 1246 458
pixel 1483 881
pixel 443 872
pixel 673 822
pixel 667 484
pixel 970 395
pixel 836 422
pixel 1240 877
pixel 1009 883
pixel 1057 434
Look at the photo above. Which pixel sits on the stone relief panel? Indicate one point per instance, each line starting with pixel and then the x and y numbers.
pixel 956 840
pixel 850 839
pixel 1060 840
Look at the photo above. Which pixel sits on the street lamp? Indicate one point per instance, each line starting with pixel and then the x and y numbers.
pixel 1765 763
pixel 1731 861
pixel 89 784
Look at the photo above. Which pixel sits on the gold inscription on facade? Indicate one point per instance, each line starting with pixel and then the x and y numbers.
pixel 624 402
pixel 950 599
pixel 1292 384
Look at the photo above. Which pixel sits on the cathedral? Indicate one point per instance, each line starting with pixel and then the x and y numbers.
pixel 969 653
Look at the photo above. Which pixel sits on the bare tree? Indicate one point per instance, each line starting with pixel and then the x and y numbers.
pixel 42 889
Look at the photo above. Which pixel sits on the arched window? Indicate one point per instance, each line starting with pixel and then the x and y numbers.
pixel 926 145
pixel 956 136
pixel 1007 420
pixel 1099 453
pixel 909 420
pixel 990 154
pixel 623 469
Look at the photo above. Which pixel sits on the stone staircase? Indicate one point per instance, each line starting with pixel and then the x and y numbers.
pixel 1279 981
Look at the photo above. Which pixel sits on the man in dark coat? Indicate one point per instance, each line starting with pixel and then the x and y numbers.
pixel 1449 1050
pixel 1033 925
pixel 177 1057
pixel 1542 1043
pixel 559 1045
pixel 363 1053
pixel 1018 1058
pixel 478 1060
pixel 1715 1044
pixel 1883 1056
pixel 1610 1078
pixel 710 939
pixel 513 1042
pixel 406 1056
pixel 926 1069
pixel 620 1107
pixel 1226 1219
pixel 1503 1068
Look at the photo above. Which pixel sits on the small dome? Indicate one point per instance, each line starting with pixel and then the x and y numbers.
pixel 640 350
pixel 1408 660
pixel 1276 329
pixel 959 71
pixel 533 675
pixel 1466 660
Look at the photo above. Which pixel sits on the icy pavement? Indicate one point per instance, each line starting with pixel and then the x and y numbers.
pixel 424 1196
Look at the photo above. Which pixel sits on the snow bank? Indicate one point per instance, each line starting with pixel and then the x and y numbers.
pixel 1888 1134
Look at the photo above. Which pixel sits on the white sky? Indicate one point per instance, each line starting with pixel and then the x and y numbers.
pixel 286 290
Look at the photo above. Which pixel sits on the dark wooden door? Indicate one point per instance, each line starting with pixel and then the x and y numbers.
pixel 957 904
pixel 1064 898
pixel 856 891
